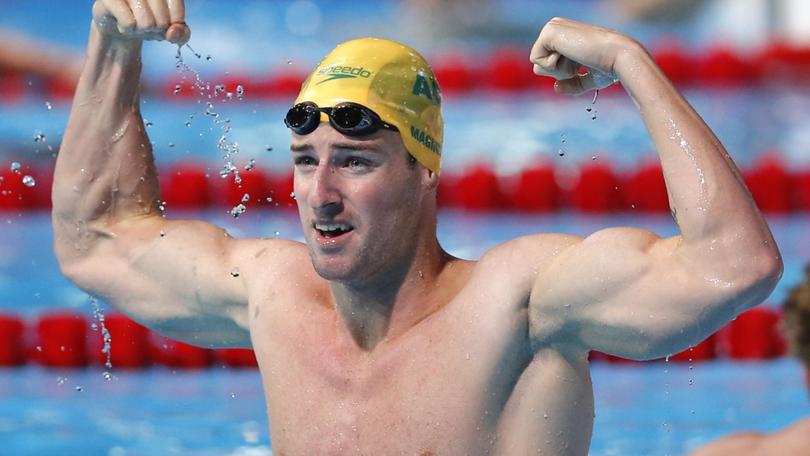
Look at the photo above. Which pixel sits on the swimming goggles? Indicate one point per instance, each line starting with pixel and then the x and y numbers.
pixel 350 119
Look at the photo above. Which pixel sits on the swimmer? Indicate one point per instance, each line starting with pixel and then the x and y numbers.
pixel 794 439
pixel 370 338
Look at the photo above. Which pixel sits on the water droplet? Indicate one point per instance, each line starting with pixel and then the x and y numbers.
pixel 61 380
pixel 147 123
pixel 268 148
pixel 240 91
pixel 235 272
pixel 40 137
pixel 208 57
pixel 79 389
pixel 245 198
pixel 48 105
pixel 561 153
pixel 177 89
pixel 39 348
pixel 292 195
pixel 15 167
pixel 691 382
pixel 171 144
pixel 269 199
pixel 589 109
pixel 277 233
pixel 289 61
pixel 162 233
pixel 233 395
pixel 593 157
pixel 94 326
pixel 251 164
pixel 238 210
pixel 29 181
pixel 188 123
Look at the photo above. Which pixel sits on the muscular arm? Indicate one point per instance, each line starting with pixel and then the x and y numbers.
pixel 184 278
pixel 626 291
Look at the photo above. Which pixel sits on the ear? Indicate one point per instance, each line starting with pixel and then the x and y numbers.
pixel 430 179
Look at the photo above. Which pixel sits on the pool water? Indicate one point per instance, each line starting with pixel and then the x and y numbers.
pixel 653 409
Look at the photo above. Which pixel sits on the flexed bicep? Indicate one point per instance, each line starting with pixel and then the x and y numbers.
pixel 187 279
pixel 628 292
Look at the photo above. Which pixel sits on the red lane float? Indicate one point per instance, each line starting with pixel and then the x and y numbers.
pixel 185 186
pixel 62 340
pixel 754 334
pixel 509 69
pixel 597 189
pixel 253 183
pixel 645 189
pixel 479 190
pixel 281 191
pixel 770 185
pixel 800 184
pixel 454 74
pixel 176 354
pixel 536 190
pixel 672 59
pixel 12 352
pixel 129 343
pixel 704 351
pixel 237 357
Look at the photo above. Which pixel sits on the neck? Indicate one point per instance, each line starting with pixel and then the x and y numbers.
pixel 394 300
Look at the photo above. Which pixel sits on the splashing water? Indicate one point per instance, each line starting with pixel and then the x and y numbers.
pixel 210 93
pixel 238 210
pixel 98 315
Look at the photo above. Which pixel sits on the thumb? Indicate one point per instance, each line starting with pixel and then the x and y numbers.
pixel 178 33
pixel 576 85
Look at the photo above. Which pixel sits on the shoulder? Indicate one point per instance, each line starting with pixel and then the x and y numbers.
pixel 269 261
pixel 518 261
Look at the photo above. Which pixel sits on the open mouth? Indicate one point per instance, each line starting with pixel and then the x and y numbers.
pixel 332 230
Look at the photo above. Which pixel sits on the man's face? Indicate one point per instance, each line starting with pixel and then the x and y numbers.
pixel 358 200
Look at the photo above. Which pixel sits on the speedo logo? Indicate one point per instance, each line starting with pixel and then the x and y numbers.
pixel 333 72
pixel 426 140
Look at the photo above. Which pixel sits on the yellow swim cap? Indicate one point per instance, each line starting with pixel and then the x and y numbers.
pixel 391 79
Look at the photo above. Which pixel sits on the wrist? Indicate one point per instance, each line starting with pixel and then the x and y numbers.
pixel 630 59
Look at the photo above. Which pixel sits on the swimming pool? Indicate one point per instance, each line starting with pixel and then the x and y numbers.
pixel 657 408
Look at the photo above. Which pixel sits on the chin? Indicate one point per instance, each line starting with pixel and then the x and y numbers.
pixel 331 270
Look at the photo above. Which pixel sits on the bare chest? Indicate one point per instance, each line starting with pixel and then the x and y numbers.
pixel 439 389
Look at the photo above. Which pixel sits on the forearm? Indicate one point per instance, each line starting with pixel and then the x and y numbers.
pixel 105 168
pixel 716 215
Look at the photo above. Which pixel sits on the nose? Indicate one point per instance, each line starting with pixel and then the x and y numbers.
pixel 324 195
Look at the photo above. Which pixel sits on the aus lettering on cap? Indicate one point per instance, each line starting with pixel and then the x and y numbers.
pixel 430 90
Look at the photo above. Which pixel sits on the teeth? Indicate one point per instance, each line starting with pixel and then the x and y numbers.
pixel 332 226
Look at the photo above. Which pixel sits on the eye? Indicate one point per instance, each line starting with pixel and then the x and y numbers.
pixel 356 163
pixel 303 160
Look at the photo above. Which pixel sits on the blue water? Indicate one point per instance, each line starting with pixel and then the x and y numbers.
pixel 655 409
